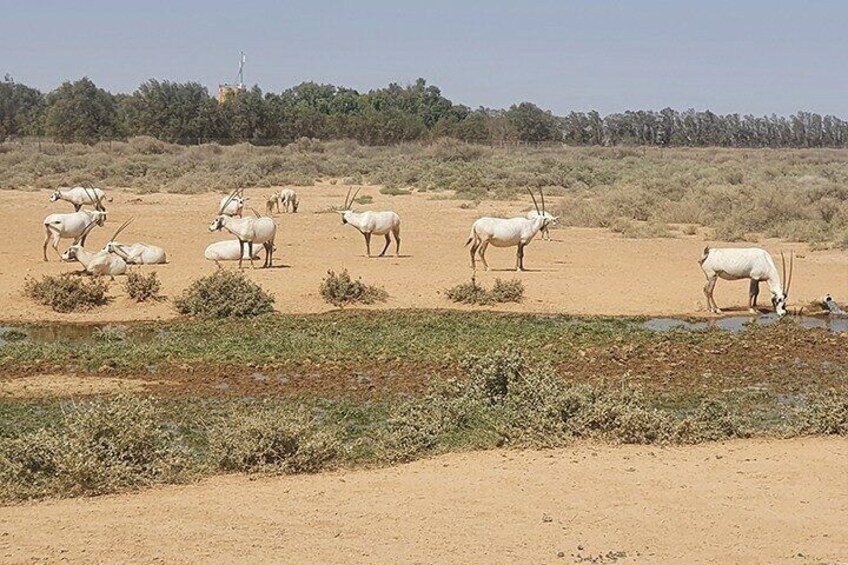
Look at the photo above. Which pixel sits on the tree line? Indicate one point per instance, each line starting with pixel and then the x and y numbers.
pixel 186 113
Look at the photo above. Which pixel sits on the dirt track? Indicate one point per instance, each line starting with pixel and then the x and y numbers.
pixel 764 502
pixel 583 271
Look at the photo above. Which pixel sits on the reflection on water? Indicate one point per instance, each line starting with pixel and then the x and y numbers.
pixel 739 323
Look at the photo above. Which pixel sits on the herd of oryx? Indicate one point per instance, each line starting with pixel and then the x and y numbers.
pixel 259 232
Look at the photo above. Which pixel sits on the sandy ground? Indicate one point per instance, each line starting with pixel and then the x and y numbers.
pixel 55 385
pixel 767 502
pixel 583 271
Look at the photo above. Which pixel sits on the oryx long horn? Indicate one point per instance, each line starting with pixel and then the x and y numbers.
pixel 347 197
pixel 120 229
pixel 226 203
pixel 536 204
pixel 542 195
pixel 354 195
pixel 255 213
pixel 85 231
pixel 791 271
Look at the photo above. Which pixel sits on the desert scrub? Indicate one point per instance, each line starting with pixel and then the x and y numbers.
pixel 274 440
pixel 473 293
pixel 142 288
pixel 99 447
pixel 224 294
pixel 67 293
pixel 341 290
pixel 826 414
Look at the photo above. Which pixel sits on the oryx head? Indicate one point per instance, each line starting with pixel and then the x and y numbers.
pixel 548 219
pixel 348 203
pixel 56 196
pixel 71 253
pixel 217 223
pixel 778 299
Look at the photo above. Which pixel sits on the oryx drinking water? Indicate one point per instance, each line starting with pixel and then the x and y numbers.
pixel 372 223
pixel 507 232
pixel 747 263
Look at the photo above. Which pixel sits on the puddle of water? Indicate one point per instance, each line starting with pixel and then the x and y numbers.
pixel 739 323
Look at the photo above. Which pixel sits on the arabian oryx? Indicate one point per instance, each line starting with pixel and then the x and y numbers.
pixel 747 263
pixel 70 226
pixel 288 198
pixel 228 250
pixel 372 223
pixel 101 263
pixel 507 232
pixel 232 204
pixel 81 196
pixel 137 253
pixel 249 232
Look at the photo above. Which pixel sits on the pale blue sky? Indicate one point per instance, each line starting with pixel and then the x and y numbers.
pixel 729 56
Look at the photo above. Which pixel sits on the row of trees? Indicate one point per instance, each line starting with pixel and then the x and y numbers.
pixel 186 113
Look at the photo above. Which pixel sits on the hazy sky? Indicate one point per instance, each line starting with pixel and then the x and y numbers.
pixel 729 56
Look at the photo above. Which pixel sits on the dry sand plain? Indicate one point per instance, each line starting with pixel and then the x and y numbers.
pixel 582 271
pixel 765 502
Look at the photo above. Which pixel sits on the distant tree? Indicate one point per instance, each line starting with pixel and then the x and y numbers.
pixel 79 111
pixel 243 116
pixel 532 124
pixel 21 109
pixel 171 111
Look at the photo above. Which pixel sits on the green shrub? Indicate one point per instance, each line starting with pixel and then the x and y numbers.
pixel 826 414
pixel 472 293
pixel 341 290
pixel 102 446
pixel 275 441
pixel 712 421
pixel 67 293
pixel 224 294
pixel 394 191
pixel 143 287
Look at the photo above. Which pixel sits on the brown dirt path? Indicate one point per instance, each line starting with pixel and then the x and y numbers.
pixel 768 502
pixel 583 271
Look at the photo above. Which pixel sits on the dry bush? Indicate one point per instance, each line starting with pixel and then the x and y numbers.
pixel 475 294
pixel 274 441
pixel 67 293
pixel 103 446
pixel 224 294
pixel 341 290
pixel 143 287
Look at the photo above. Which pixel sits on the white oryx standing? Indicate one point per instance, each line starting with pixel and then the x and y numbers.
pixel 80 196
pixel 249 232
pixel 70 226
pixel 746 263
pixel 507 232
pixel 232 204
pixel 372 223
pixel 137 253
pixel 100 263
pixel 288 198
pixel 545 231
